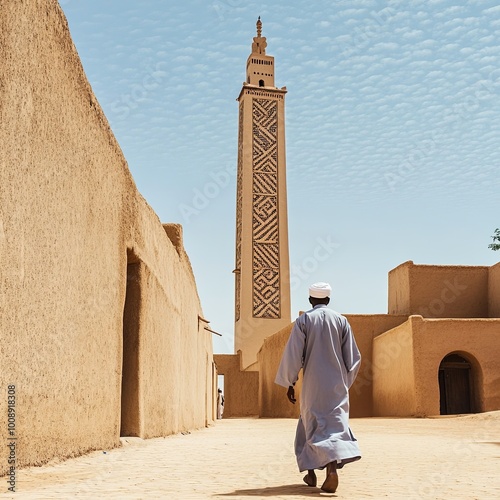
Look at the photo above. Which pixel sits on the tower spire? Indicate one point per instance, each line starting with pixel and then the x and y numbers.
pixel 259 42
pixel 259 28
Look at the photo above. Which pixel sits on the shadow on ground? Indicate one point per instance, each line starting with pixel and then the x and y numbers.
pixel 299 490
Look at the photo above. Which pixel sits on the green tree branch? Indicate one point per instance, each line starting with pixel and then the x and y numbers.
pixel 496 240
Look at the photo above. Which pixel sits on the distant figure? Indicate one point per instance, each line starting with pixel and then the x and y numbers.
pixel 220 404
pixel 322 344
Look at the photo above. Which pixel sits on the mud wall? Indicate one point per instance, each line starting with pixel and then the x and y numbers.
pixel 241 388
pixel 439 291
pixel 71 224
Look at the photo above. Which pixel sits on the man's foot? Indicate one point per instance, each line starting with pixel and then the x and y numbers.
pixel 310 478
pixel 332 479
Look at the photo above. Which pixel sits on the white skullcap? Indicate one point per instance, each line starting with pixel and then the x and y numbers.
pixel 320 290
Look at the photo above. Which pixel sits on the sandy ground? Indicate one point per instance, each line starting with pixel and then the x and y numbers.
pixel 439 458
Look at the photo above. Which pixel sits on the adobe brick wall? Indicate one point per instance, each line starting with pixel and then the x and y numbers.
pixel 71 221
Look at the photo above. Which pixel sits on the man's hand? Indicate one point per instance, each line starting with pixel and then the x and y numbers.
pixel 290 394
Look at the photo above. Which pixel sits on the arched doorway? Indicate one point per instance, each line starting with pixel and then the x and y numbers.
pixel 455 385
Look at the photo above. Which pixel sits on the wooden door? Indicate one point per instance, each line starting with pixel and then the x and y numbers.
pixel 455 385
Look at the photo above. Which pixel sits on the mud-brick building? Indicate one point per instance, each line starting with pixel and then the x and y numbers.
pixel 436 352
pixel 101 329
pixel 444 358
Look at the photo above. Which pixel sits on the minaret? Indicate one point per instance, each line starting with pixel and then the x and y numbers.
pixel 262 262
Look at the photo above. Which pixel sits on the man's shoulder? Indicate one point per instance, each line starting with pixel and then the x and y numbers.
pixel 336 313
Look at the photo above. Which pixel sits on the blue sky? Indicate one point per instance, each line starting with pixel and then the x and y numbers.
pixel 392 131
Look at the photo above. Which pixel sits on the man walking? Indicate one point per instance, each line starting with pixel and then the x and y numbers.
pixel 322 344
pixel 220 404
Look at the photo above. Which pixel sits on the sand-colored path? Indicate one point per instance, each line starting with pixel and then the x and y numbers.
pixel 441 458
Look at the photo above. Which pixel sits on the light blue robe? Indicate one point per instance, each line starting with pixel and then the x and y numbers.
pixel 323 345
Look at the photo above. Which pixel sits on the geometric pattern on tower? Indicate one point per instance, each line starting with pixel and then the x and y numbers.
pixel 265 222
pixel 239 204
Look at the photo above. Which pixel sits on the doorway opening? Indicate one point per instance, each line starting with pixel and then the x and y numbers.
pixel 456 385
pixel 220 382
pixel 130 415
pixel 220 396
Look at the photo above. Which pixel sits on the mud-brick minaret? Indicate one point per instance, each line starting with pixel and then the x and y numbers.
pixel 262 262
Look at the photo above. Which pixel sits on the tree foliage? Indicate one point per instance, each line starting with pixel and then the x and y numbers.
pixel 496 240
